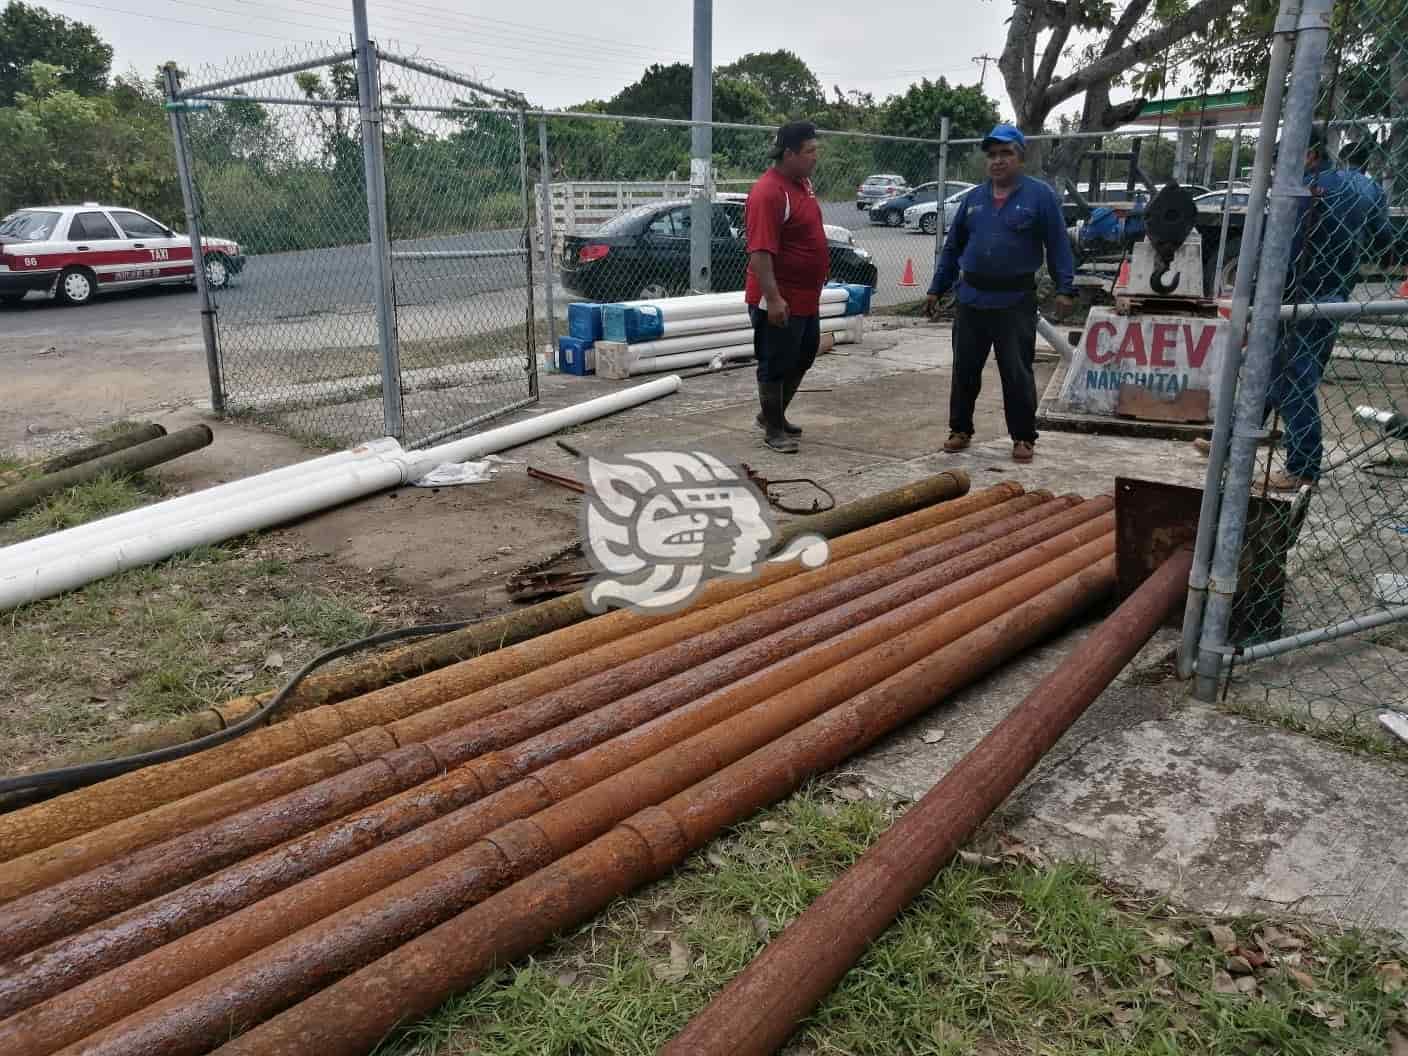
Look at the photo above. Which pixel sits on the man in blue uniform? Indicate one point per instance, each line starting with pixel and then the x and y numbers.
pixel 1325 253
pixel 993 251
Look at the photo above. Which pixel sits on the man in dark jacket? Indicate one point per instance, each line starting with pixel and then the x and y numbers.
pixel 788 262
pixel 993 251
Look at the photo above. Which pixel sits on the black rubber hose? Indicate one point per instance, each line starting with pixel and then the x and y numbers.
pixel 71 777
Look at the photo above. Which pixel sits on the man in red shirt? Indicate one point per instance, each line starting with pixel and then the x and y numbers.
pixel 788 263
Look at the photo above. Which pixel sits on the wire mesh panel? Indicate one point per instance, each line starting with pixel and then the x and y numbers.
pixel 459 221
pixel 1327 548
pixel 278 166
pixel 285 181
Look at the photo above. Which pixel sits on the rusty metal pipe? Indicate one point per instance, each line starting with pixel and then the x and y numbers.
pixel 498 632
pixel 351 1016
pixel 61 908
pixel 561 656
pixel 875 617
pixel 199 1015
pixel 760 1008
pixel 418 658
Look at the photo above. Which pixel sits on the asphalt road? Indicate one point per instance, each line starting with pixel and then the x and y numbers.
pixel 292 288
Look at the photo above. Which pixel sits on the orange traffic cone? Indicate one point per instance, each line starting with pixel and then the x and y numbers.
pixel 1403 290
pixel 1123 279
pixel 908 278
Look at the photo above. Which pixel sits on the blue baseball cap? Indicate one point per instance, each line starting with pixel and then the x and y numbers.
pixel 1005 134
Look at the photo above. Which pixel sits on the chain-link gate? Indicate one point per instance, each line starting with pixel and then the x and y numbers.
pixel 1308 585
pixel 383 283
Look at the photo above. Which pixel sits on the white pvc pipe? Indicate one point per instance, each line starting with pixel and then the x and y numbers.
pixel 670 346
pixel 183 507
pixel 652 364
pixel 683 327
pixel 535 428
pixel 383 467
pixel 705 305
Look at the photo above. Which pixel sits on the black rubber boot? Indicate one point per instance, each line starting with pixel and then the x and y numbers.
pixel 789 389
pixel 770 397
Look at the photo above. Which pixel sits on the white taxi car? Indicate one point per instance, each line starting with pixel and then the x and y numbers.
pixel 78 251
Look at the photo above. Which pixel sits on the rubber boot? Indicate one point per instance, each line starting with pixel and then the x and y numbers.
pixel 790 385
pixel 770 397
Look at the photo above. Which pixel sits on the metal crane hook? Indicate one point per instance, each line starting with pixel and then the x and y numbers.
pixel 1160 285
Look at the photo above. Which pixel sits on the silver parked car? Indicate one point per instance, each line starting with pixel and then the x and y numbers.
pixel 877 188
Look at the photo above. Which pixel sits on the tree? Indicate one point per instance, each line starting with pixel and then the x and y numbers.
pixel 971 112
pixel 787 83
pixel 31 34
pixel 1131 37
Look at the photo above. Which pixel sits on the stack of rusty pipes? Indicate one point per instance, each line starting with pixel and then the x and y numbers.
pixel 472 829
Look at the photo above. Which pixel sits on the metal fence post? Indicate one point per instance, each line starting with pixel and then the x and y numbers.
pixel 1227 212
pixel 175 109
pixel 545 197
pixel 373 158
pixel 941 220
pixel 701 153
pixel 1209 510
pixel 1312 29
pixel 528 255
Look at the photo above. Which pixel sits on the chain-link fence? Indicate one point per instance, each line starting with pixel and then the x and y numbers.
pixel 1315 633
pixel 343 315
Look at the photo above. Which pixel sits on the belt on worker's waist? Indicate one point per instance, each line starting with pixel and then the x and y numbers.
pixel 999 283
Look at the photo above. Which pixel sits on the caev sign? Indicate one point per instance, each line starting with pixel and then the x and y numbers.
pixel 1164 355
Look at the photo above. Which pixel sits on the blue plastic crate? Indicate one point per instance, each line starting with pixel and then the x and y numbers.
pixel 584 320
pixel 631 324
pixel 574 356
pixel 858 297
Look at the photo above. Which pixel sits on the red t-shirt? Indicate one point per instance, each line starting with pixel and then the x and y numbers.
pixel 783 218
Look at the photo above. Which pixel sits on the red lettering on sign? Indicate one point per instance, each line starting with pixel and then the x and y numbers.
pixel 1092 343
pixel 1165 340
pixel 1133 345
pixel 1198 352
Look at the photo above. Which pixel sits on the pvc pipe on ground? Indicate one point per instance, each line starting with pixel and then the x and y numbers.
pixel 721 339
pixel 121 525
pixel 353 1014
pixel 19 497
pixel 138 808
pixel 187 1022
pixel 759 1009
pixel 711 304
pixel 418 658
pixel 386 760
pixel 343 484
pixel 839 635
pixel 735 321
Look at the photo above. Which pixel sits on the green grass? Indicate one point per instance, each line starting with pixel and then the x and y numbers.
pixel 997 956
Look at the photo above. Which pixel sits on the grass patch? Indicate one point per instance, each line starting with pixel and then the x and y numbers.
pixel 102 496
pixel 1001 955
pixel 163 640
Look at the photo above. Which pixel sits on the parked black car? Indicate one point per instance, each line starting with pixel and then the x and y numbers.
pixel 644 253
pixel 890 211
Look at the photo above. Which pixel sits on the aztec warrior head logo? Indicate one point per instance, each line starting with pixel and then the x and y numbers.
pixel 657 524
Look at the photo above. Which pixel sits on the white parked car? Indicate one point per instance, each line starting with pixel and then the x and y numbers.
pixel 925 216
pixel 78 251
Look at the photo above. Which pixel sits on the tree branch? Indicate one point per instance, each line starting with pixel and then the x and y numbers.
pixel 1052 55
pixel 1015 61
pixel 1107 66
pixel 1128 20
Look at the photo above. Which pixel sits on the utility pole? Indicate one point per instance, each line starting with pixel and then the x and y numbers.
pixel 701 218
pixel 983 77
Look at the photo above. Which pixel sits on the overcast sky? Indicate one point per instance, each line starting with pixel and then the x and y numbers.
pixel 560 52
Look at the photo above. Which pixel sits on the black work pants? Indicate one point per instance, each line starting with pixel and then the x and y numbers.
pixel 784 351
pixel 1011 334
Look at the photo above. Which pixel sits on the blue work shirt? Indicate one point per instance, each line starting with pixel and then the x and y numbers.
pixel 1376 225
pixel 1330 231
pixel 1005 243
